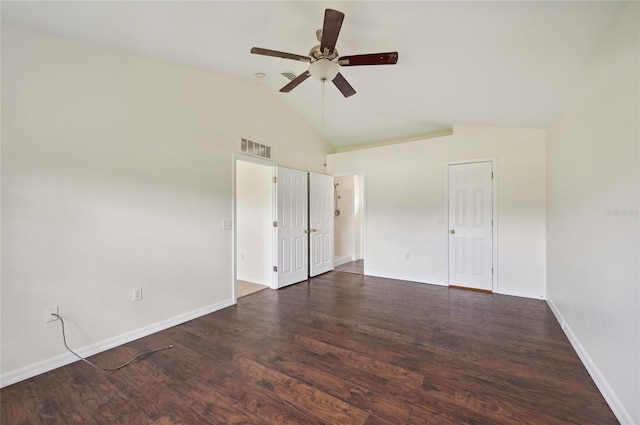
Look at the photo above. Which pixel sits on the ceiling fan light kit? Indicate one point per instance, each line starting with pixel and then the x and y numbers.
pixel 323 69
pixel 324 59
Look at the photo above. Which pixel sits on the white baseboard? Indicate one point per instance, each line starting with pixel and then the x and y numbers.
pixel 67 358
pixel 521 295
pixel 607 392
pixel 340 261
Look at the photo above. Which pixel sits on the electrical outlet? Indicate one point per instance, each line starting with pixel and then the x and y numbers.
pixel 49 314
pixel 137 294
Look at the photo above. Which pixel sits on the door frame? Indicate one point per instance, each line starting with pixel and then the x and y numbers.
pixel 234 260
pixel 364 216
pixel 494 215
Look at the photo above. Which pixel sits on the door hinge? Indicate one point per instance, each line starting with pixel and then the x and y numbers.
pixel 492 174
pixel 275 224
pixel 491 270
pixel 275 179
pixel 275 269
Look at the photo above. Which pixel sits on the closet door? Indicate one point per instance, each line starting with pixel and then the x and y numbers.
pixel 291 226
pixel 321 216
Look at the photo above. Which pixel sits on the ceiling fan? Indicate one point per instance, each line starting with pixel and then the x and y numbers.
pixel 324 58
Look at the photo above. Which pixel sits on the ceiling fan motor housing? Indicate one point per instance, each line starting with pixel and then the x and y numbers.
pixel 316 53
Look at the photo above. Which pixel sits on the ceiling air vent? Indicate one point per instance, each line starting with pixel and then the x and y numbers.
pixel 256 149
pixel 289 75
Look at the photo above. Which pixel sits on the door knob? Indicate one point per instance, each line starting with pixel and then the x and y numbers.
pixel 306 231
pixel 452 231
pixel 314 230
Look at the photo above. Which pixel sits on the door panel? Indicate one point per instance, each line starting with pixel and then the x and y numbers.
pixel 470 225
pixel 321 222
pixel 291 230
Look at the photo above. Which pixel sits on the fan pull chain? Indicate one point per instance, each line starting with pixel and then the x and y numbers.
pixel 322 101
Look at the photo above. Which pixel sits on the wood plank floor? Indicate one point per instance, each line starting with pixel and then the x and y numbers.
pixel 244 288
pixel 340 349
pixel 352 267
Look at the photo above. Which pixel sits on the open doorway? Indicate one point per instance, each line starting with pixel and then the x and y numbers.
pixel 274 243
pixel 349 223
pixel 253 229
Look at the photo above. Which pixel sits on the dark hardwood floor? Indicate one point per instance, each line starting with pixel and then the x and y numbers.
pixel 341 348
pixel 352 267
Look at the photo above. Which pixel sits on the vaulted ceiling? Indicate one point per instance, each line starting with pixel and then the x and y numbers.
pixel 485 63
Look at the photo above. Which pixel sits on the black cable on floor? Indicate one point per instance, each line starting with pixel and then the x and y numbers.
pixel 64 340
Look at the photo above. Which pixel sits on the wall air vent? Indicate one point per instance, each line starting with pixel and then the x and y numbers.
pixel 256 149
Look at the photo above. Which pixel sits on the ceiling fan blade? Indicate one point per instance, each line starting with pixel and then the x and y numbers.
pixel 342 85
pixel 294 83
pixel 390 58
pixel 275 53
pixel 330 30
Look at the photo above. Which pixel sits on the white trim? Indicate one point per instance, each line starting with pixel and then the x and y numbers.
pixel 67 358
pixel 343 260
pixel 253 159
pixel 494 189
pixel 521 294
pixel 598 378
pixel 274 230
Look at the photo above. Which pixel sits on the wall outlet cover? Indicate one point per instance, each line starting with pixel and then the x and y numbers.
pixel 137 294
pixel 49 313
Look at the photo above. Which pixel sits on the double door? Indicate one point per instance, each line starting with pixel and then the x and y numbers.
pixel 303 229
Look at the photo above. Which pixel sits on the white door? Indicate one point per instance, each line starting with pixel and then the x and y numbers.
pixel 291 226
pixel 471 225
pixel 320 223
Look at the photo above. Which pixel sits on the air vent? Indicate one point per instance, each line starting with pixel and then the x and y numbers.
pixel 289 75
pixel 256 149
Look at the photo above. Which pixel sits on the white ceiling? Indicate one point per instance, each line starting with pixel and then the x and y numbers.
pixel 486 63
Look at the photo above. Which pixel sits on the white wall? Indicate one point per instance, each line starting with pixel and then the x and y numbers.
pixel 254 216
pixel 593 226
pixel 117 174
pixel 405 204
